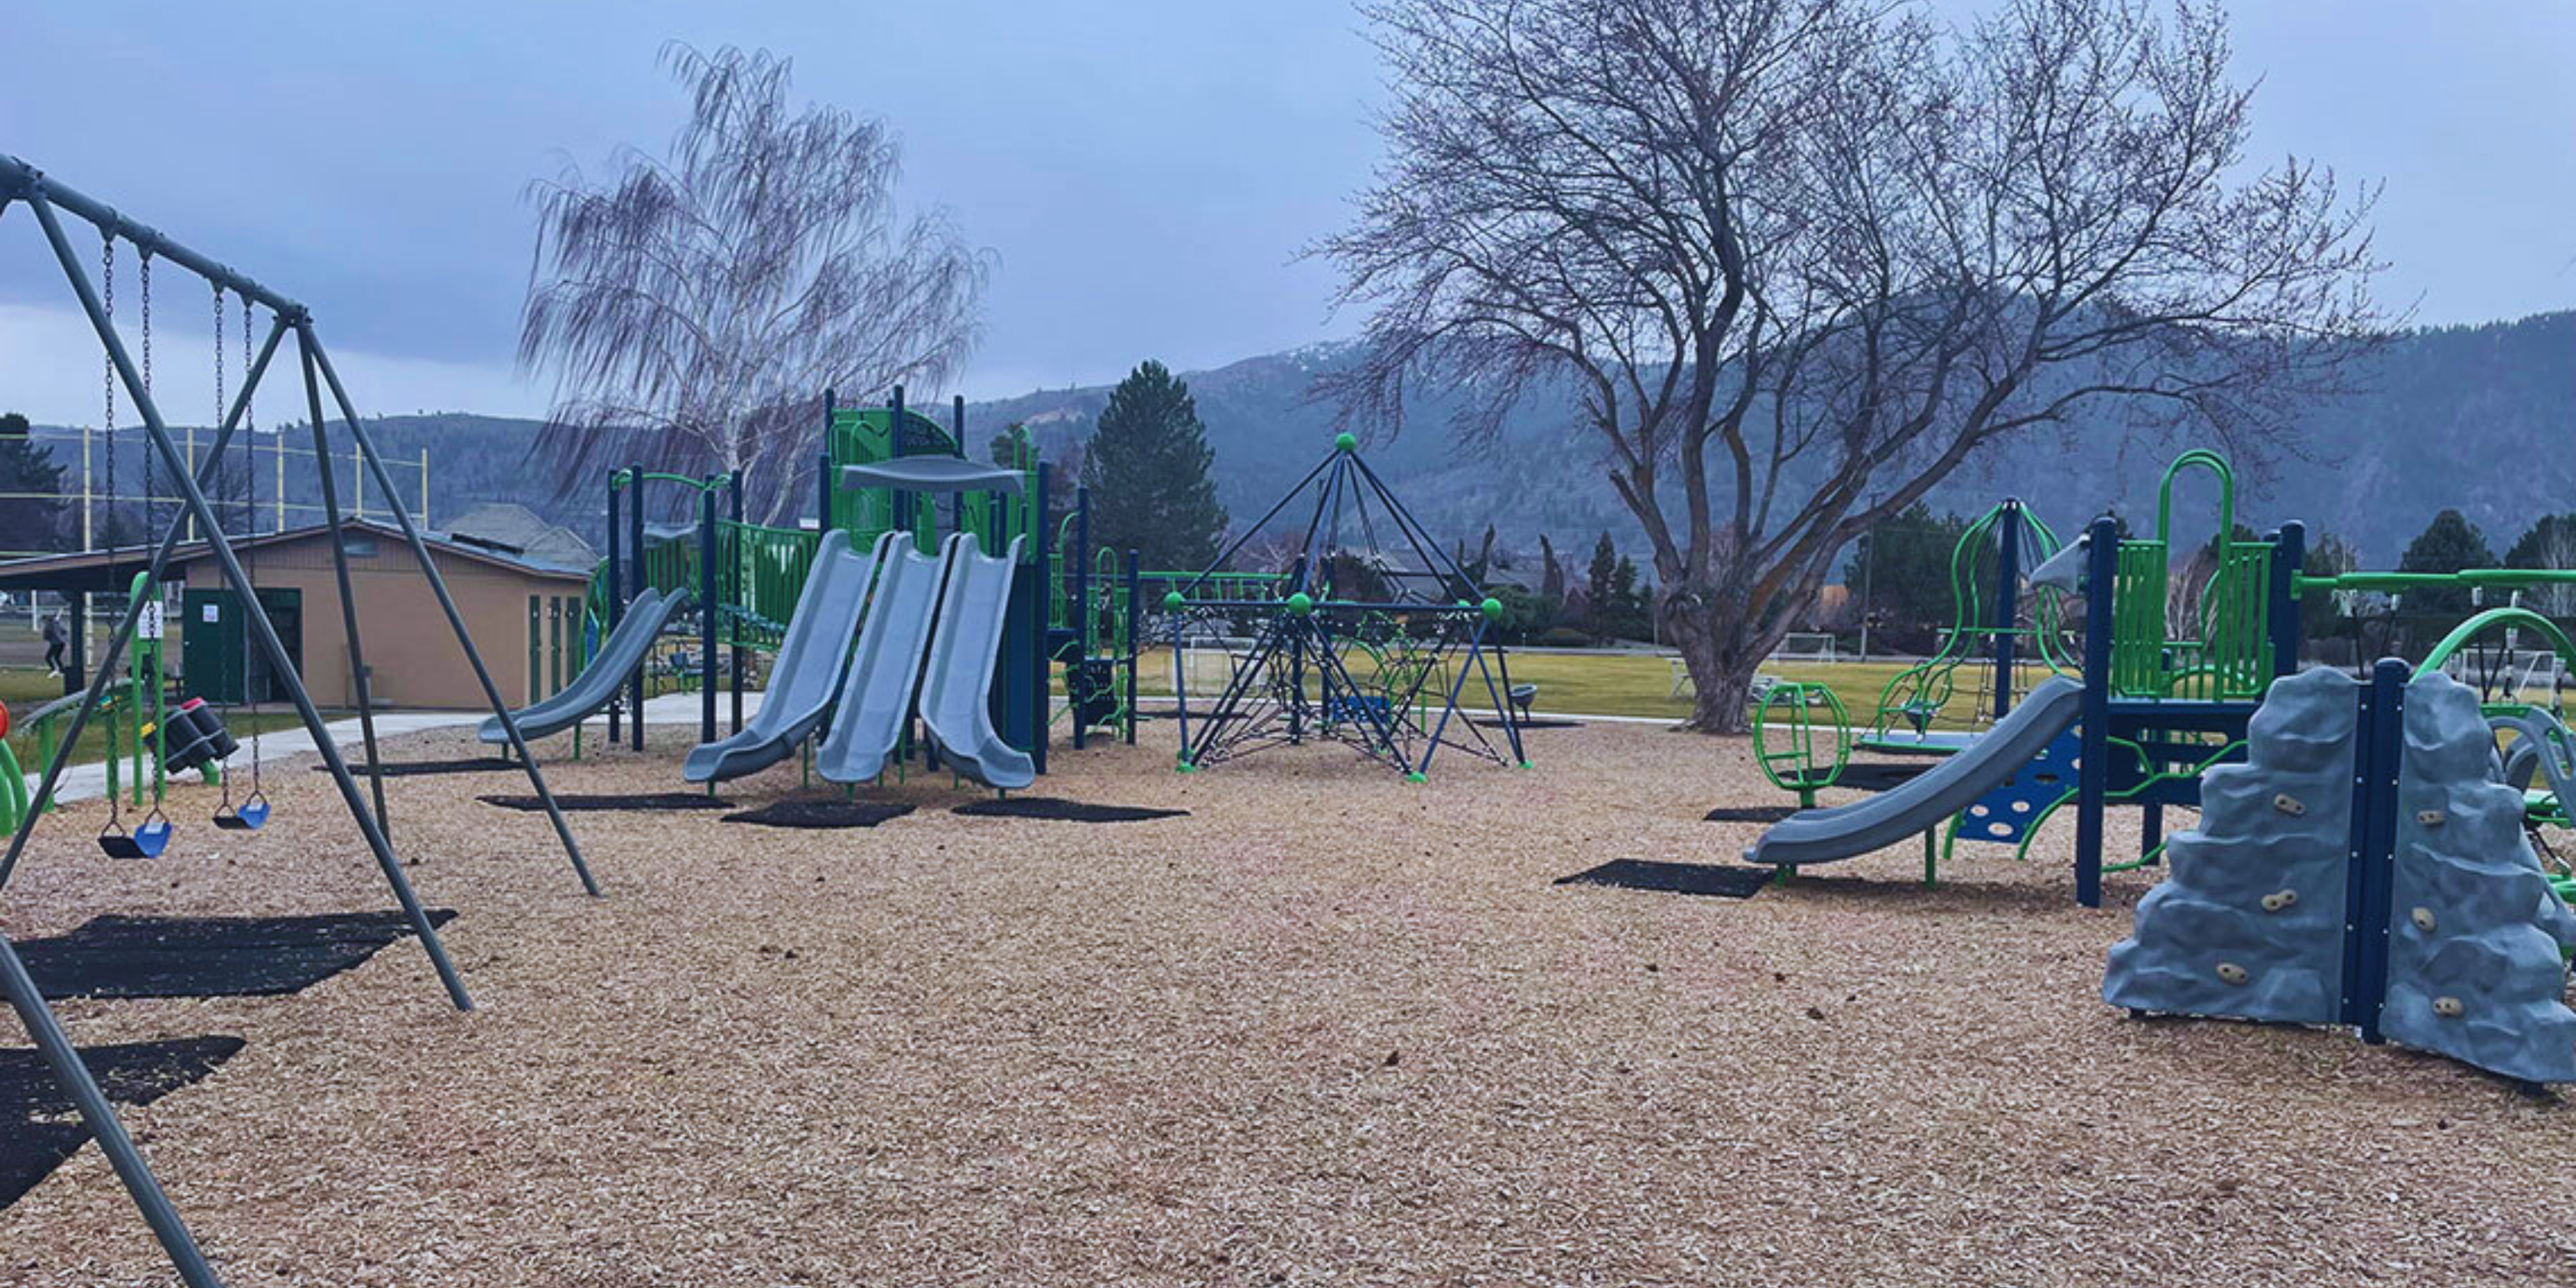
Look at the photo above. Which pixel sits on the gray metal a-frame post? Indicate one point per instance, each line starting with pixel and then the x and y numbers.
pixel 22 183
pixel 360 682
pixel 366 448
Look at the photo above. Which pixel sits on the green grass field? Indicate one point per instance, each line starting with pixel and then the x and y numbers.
pixel 1632 684
pixel 25 689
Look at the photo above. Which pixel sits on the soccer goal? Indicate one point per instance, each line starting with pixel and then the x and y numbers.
pixel 1805 646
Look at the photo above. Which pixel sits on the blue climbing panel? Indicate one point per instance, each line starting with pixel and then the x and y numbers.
pixel 2006 814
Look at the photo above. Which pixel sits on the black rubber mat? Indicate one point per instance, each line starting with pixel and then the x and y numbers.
pixel 1488 722
pixel 118 956
pixel 1875 776
pixel 39 1128
pixel 410 768
pixel 1726 881
pixel 1065 811
pixel 1750 813
pixel 645 801
pixel 821 812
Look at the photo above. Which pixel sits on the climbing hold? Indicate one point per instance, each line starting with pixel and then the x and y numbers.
pixel 2430 817
pixel 2448 1008
pixel 2423 919
pixel 2288 804
pixel 2279 899
pixel 2232 973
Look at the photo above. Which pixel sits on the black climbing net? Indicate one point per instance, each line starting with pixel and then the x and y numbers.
pixel 1374 638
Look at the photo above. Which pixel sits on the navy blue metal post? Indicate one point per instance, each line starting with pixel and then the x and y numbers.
pixel 739 590
pixel 1134 601
pixel 1077 605
pixel 2007 603
pixel 635 552
pixel 894 447
pixel 2102 580
pixel 1030 675
pixel 2289 557
pixel 2369 886
pixel 707 605
pixel 824 482
pixel 616 595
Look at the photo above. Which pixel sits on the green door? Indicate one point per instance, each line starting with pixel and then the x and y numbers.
pixel 221 664
pixel 210 645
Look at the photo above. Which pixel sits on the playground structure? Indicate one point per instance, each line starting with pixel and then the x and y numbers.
pixel 807 596
pixel 745 580
pixel 2159 706
pixel 47 200
pixel 2368 854
pixel 1370 646
pixel 1989 633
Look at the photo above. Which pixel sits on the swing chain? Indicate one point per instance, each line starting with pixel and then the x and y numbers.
pixel 151 524
pixel 250 534
pixel 107 279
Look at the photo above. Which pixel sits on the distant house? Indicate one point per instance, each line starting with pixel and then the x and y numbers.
pixel 524 612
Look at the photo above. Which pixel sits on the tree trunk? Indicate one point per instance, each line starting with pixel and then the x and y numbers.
pixel 1721 675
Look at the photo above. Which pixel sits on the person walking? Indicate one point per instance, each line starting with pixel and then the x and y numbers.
pixel 58 633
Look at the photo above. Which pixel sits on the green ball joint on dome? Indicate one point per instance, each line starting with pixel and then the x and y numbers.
pixel 1171 601
pixel 1346 442
pixel 1492 609
pixel 1300 604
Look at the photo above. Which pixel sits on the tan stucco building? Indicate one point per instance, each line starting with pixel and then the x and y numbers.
pixel 524 615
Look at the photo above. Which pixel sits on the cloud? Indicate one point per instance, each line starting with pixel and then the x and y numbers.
pixel 51 368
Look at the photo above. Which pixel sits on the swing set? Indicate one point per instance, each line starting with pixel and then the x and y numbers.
pixel 48 201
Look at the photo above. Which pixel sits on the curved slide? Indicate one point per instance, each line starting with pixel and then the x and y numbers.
pixel 808 670
pixel 2543 750
pixel 598 683
pixel 1824 835
pixel 956 698
pixel 876 698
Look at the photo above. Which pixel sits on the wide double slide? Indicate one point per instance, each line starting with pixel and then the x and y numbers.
pixel 1922 803
pixel 598 683
pixel 808 669
pixel 876 698
pixel 956 696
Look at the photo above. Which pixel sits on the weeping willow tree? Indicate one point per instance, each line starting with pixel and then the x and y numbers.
pixel 691 307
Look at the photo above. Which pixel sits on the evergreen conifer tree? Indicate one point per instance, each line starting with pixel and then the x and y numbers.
pixel 1147 468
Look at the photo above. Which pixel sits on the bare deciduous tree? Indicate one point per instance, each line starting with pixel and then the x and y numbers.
pixel 707 297
pixel 1801 258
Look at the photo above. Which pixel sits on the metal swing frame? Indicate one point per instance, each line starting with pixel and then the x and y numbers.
pixel 47 200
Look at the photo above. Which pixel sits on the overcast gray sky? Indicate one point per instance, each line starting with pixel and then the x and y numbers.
pixel 1146 171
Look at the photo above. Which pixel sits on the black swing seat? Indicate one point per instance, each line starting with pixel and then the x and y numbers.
pixel 145 842
pixel 250 817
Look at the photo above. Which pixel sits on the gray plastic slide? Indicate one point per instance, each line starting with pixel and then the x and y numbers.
pixel 876 698
pixel 808 670
pixel 1823 835
pixel 2544 750
pixel 598 682
pixel 956 697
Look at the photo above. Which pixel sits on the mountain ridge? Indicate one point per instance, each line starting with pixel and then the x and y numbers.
pixel 2481 418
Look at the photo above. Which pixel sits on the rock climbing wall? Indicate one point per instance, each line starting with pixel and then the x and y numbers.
pixel 2475 966
pixel 2249 923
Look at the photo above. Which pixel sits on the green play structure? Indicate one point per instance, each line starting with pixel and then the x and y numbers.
pixel 1989 633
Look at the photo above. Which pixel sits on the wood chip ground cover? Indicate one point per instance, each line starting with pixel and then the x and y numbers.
pixel 1327 1028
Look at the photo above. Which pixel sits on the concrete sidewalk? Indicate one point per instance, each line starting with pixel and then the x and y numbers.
pixel 89 782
